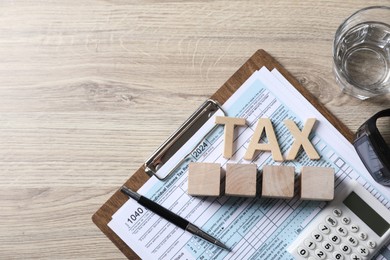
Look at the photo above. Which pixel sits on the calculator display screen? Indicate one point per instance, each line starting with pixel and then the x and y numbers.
pixel 369 216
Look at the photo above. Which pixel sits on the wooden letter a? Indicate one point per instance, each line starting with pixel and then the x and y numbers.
pixel 272 145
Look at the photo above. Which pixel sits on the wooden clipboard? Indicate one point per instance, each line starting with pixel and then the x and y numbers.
pixel 261 58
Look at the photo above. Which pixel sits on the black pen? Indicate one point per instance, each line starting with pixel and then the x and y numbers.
pixel 171 217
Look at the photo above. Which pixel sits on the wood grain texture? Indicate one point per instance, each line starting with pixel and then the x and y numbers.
pixel 89 89
pixel 278 181
pixel 204 179
pixel 229 124
pixel 317 183
pixel 241 180
pixel 301 139
pixel 264 125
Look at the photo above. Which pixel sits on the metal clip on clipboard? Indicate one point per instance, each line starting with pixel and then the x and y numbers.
pixel 180 137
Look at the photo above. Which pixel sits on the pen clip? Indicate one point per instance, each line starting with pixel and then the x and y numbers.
pixel 180 137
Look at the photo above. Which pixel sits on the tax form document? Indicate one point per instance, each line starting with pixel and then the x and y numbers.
pixel 254 228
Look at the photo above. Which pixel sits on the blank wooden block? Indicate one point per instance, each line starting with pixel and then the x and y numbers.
pixel 317 183
pixel 241 180
pixel 278 181
pixel 204 179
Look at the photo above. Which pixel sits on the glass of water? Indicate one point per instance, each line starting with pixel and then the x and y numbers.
pixel 361 53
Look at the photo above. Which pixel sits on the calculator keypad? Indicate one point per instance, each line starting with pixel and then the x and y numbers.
pixel 338 238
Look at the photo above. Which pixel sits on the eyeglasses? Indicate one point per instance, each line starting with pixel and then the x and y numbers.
pixel 373 150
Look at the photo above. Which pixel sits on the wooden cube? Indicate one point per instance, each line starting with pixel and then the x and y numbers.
pixel 278 181
pixel 204 179
pixel 241 180
pixel 317 183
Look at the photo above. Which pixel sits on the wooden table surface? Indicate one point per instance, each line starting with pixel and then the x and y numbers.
pixel 88 90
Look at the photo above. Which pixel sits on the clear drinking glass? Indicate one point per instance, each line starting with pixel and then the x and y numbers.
pixel 361 53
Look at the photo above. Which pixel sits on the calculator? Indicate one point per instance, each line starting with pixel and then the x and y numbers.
pixel 353 226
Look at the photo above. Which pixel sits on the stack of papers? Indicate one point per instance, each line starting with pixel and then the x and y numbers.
pixel 254 228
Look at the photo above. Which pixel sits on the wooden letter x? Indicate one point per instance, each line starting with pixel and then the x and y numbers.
pixel 301 139
pixel 229 123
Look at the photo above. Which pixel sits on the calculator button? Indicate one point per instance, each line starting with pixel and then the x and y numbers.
pixel 303 252
pixel 337 212
pixel 320 254
pixel 356 257
pixel 346 220
pixel 327 246
pixel 342 231
pixel 338 256
pixel 334 238
pixel 309 244
pixel 331 221
pixel 362 236
pixel 354 228
pixel 324 228
pixel 363 251
pixel 316 236
pixel 346 249
pixel 352 241
pixel 371 244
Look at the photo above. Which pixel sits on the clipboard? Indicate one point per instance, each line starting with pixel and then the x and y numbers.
pixel 259 59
